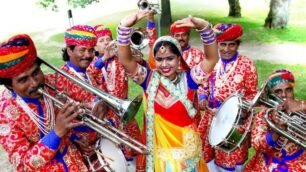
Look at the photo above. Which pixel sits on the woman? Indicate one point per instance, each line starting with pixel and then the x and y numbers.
pixel 170 131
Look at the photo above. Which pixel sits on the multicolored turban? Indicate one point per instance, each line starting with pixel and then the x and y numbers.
pixel 16 55
pixel 83 35
pixel 174 29
pixel 227 32
pixel 101 30
pixel 280 76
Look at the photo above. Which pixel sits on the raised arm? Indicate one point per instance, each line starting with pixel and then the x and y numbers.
pixel 207 37
pixel 123 34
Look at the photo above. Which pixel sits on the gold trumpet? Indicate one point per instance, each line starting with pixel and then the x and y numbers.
pixel 296 121
pixel 124 108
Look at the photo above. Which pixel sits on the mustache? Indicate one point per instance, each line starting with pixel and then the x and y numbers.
pixel 88 58
pixel 34 89
pixel 181 40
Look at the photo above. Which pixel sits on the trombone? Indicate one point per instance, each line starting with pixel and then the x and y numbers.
pixel 124 108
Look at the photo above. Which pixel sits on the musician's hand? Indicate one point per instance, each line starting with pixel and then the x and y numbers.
pixel 203 104
pixel 277 120
pixel 99 109
pixel 85 148
pixel 151 16
pixel 291 105
pixel 193 22
pixel 110 50
pixel 132 19
pixel 66 119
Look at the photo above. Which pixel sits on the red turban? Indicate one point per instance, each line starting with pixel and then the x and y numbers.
pixel 101 30
pixel 227 32
pixel 80 35
pixel 16 55
pixel 174 29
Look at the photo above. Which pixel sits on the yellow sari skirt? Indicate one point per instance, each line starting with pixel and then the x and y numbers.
pixel 177 148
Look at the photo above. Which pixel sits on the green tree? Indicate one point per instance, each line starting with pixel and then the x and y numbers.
pixel 52 4
pixel 166 18
pixel 278 15
pixel 235 9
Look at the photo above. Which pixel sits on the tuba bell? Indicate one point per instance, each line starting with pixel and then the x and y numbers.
pixel 296 121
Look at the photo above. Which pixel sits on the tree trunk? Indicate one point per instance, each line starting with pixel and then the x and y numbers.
pixel 235 10
pixel 278 16
pixel 166 18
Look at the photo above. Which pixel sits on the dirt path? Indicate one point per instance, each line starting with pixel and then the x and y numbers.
pixel 286 53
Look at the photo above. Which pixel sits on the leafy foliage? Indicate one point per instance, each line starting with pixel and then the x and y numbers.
pixel 52 4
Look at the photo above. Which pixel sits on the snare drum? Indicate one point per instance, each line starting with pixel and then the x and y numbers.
pixel 109 157
pixel 223 133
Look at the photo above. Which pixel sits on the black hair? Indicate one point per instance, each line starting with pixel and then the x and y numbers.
pixel 238 41
pixel 8 81
pixel 65 53
pixel 171 46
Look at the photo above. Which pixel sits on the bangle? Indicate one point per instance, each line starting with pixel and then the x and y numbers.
pixel 207 36
pixel 302 105
pixel 123 35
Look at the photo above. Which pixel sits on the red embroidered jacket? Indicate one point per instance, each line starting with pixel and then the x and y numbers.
pixel 27 148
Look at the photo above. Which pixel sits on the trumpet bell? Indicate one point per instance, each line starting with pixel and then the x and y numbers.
pixel 131 109
pixel 145 4
pixel 139 39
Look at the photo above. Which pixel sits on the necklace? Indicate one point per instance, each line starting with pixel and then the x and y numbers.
pixel 222 74
pixel 176 80
pixel 45 122
pixel 84 78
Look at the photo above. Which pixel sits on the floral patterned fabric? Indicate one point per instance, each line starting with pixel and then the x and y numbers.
pixel 27 151
pixel 78 94
pixel 192 56
pixel 280 156
pixel 111 77
pixel 171 109
pixel 238 75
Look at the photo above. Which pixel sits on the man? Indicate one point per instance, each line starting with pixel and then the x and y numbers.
pixel 110 74
pixel 275 152
pixel 79 52
pixel 191 55
pixel 233 73
pixel 34 134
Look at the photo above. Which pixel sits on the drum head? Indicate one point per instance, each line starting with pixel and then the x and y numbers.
pixel 113 155
pixel 224 120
